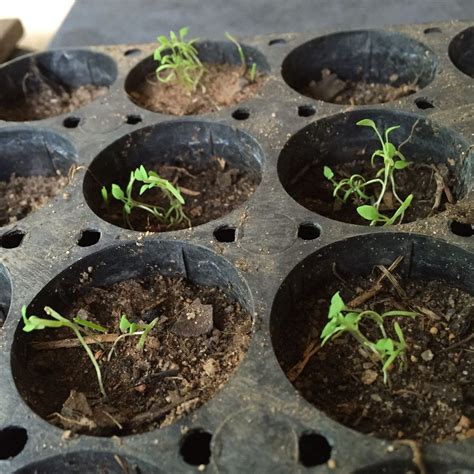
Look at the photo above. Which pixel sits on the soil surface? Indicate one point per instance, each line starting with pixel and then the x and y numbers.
pixel 51 100
pixel 222 85
pixel 421 180
pixel 209 193
pixel 331 88
pixel 431 399
pixel 200 338
pixel 21 195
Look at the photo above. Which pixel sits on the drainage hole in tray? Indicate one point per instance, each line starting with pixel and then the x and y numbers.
pixel 71 122
pixel 225 234
pixel 12 441
pixel 12 240
pixel 314 449
pixel 241 114
pixel 88 238
pixel 275 41
pixel 306 110
pixel 308 231
pixel 132 52
pixel 430 31
pixel 133 119
pixel 462 229
pixel 196 447
pixel 424 103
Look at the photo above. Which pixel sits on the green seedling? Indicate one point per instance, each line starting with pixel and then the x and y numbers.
pixel 252 72
pixel 133 329
pixel 172 215
pixel 355 187
pixel 178 60
pixel 33 323
pixel 347 320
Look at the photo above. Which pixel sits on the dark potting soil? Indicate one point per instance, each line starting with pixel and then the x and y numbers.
pixel 331 88
pixel 222 85
pixel 432 399
pixel 209 193
pixel 51 100
pixel 21 195
pixel 312 190
pixel 200 338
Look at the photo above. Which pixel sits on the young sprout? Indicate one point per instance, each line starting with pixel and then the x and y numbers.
pixel 33 323
pixel 343 319
pixel 252 73
pixel 172 215
pixel 178 60
pixel 133 329
pixel 355 187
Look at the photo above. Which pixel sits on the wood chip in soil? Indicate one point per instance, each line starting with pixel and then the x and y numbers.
pixel 431 400
pixel 222 85
pixel 331 88
pixel 21 195
pixel 146 389
pixel 51 100
pixel 417 179
pixel 210 191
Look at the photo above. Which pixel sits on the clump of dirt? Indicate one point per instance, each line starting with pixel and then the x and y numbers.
pixel 21 195
pixel 430 399
pixel 422 180
pixel 50 100
pixel 210 191
pixel 200 338
pixel 222 85
pixel 331 88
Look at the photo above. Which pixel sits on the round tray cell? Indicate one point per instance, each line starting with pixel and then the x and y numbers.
pixel 52 83
pixel 5 294
pixel 461 51
pixel 435 153
pixel 359 67
pixel 224 83
pixel 216 167
pixel 92 462
pixel 34 164
pixel 200 310
pixel 344 377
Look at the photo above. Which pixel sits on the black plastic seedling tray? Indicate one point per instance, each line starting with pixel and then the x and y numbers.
pixel 266 253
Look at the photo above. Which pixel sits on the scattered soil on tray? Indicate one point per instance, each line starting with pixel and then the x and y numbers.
pixel 331 88
pixel 432 399
pixel 200 338
pixel 51 100
pixel 222 85
pixel 209 193
pixel 21 195
pixel 417 179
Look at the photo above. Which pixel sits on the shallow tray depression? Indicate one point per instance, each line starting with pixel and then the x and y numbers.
pixel 367 55
pixel 67 79
pixel 210 53
pixel 461 51
pixel 294 324
pixel 190 145
pixel 105 269
pixel 337 140
pixel 26 152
